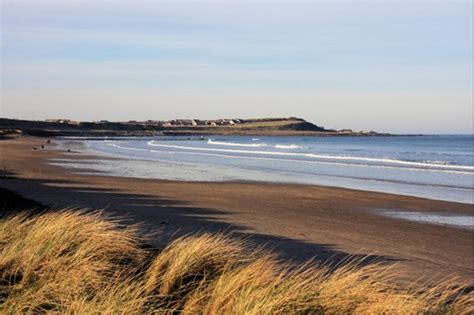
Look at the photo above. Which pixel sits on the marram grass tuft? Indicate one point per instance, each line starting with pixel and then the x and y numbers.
pixel 80 262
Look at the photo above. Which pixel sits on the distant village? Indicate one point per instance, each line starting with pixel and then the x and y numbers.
pixel 194 123
pixel 161 123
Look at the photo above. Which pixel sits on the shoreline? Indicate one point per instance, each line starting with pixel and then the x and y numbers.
pixel 139 163
pixel 300 221
pixel 88 157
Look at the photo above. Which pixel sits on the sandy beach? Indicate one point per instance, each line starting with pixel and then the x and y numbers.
pixel 298 221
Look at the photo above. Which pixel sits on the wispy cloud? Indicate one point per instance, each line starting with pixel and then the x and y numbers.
pixel 339 55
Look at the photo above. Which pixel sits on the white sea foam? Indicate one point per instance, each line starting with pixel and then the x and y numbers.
pixel 463 221
pixel 437 162
pixel 235 144
pixel 290 146
pixel 418 165
pixel 286 159
pixel 115 145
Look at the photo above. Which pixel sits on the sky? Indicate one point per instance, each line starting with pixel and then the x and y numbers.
pixel 390 66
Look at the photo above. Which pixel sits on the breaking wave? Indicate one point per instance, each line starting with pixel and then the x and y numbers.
pixel 353 159
pixel 235 144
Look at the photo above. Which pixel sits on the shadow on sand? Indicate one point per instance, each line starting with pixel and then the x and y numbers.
pixel 166 217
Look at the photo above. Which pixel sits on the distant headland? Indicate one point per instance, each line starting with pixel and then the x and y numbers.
pixel 291 126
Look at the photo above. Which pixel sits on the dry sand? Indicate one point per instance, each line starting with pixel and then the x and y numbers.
pixel 297 221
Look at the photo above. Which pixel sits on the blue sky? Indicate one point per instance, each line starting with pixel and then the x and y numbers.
pixel 398 66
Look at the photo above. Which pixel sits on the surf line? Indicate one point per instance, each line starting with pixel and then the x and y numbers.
pixel 456 168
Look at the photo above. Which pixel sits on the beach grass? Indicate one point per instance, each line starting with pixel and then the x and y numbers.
pixel 74 261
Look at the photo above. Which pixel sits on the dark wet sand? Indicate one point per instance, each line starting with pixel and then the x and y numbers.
pixel 297 221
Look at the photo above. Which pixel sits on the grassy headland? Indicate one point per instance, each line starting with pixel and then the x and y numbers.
pixel 71 261
pixel 264 127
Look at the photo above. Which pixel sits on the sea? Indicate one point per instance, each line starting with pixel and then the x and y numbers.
pixel 437 167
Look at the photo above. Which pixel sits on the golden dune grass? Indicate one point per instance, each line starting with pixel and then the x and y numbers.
pixel 76 262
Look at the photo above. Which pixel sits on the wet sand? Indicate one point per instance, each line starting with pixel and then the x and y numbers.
pixel 297 221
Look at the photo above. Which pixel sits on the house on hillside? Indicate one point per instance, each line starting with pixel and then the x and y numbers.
pixel 58 121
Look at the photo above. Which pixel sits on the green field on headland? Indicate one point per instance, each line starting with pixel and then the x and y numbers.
pixel 263 127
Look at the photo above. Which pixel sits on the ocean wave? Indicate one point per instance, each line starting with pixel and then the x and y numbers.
pixel 386 161
pixel 289 146
pixel 437 162
pixel 221 153
pixel 253 145
pixel 236 144
pixel 466 154
pixel 320 162
pixel 116 145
